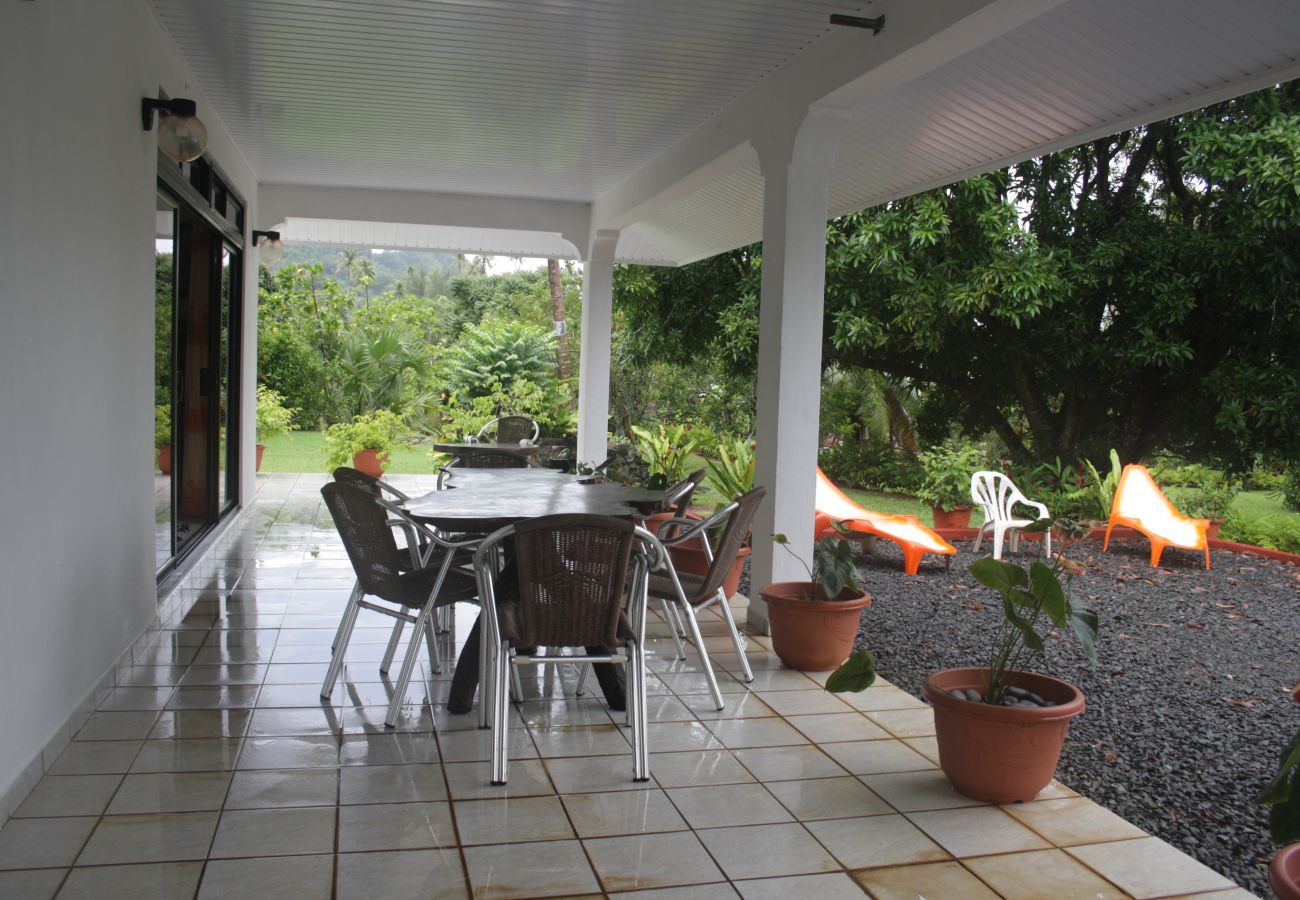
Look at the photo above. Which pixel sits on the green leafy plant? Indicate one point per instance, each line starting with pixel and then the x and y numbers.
pixel 1282 795
pixel 162 426
pixel 274 419
pixel 1031 595
pixel 832 573
pixel 732 473
pixel 667 451
pixel 948 469
pixel 1103 488
pixel 857 673
pixel 1273 532
pixel 380 431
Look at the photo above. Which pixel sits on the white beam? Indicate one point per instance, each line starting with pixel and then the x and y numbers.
pixel 796 171
pixel 594 358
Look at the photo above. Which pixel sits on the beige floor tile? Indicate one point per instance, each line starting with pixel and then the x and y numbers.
pixel 137 698
pixel 130 725
pixel 827 886
pixel 201 755
pixel 788 763
pixel 1042 875
pixel 579 774
pixel 476 745
pixel 728 804
pixel 760 851
pixel 905 723
pixel 395 826
pixel 875 757
pixel 583 740
pixel 926 746
pixel 471 780
pixel 161 837
pixel 391 784
pixel 934 880
pixel 881 697
pixel 230 674
pixel 1073 820
pixel 163 881
pixel 515 820
pixel 564 713
pixel 274 832
pixel 803 703
pixel 849 726
pixel 886 840
pixel 682 683
pixel 545 869
pixel 719 891
pixel 268 788
pixel 666 708
pixel 769 732
pixel 1232 894
pixel 69 795
pixel 31 884
pixel 977 831
pixel 622 812
pixel 670 737
pixel 737 706
pixel 914 791
pixel 170 792
pixel 308 752
pixel 651 861
pixel 276 722
pixel 188 724
pixel 1148 867
pixel 96 758
pixel 41 843
pixel 778 679
pixel 285 878
pixel 828 798
pixel 405 875
pixel 708 767
pixel 390 749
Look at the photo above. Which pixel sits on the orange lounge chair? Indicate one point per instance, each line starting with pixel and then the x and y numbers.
pixel 1139 503
pixel 905 531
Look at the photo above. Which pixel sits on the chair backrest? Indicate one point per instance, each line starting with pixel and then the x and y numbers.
pixel 681 493
pixel 572 574
pixel 362 524
pixel 488 458
pixel 512 429
pixel 996 493
pixel 357 478
pixel 733 538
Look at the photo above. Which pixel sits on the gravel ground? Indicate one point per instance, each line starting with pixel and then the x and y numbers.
pixel 1188 708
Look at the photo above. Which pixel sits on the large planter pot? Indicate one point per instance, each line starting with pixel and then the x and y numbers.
pixel 165 459
pixel 1284 873
pixel 689 558
pixel 956 518
pixel 1212 530
pixel 257 463
pixel 995 753
pixel 812 635
pixel 370 462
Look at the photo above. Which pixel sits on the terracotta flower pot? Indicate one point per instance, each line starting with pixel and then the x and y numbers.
pixel 995 753
pixel 370 462
pixel 812 635
pixel 1284 873
pixel 257 463
pixel 1212 530
pixel 689 558
pixel 956 518
pixel 165 459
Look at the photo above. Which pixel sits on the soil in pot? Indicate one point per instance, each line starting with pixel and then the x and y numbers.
pixel 1000 754
pixel 1284 873
pixel 812 635
pixel 956 518
pixel 370 462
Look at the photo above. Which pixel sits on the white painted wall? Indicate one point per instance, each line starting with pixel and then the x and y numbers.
pixel 77 176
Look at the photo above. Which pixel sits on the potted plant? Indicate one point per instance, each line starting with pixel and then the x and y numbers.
pixel 814 622
pixel 274 419
pixel 366 442
pixel 667 451
pixel 1000 729
pixel 946 485
pixel 731 475
pixel 162 437
pixel 1282 796
pixel 1209 500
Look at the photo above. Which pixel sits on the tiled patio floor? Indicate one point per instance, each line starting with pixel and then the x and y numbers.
pixel 213 768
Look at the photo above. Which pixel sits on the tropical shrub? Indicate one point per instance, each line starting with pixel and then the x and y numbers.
pixel 498 353
pixel 872 465
pixel 1273 532
pixel 732 473
pixel 381 369
pixel 288 365
pixel 274 419
pixel 381 431
pixel 1197 490
pixel 667 451
pixel 162 426
pixel 552 407
pixel 948 469
pixel 1291 490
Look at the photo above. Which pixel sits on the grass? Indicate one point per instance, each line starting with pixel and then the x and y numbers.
pixel 304 451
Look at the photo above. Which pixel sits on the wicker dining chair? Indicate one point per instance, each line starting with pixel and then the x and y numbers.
pixel 362 522
pixel 512 430
pixel 574 573
pixel 489 458
pixel 679 497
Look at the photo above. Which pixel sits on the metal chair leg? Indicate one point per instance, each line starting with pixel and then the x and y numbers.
pixel 431 642
pixel 698 640
pixel 735 637
pixel 408 666
pixel 341 638
pixel 393 640
pixel 636 705
pixel 500 718
pixel 674 625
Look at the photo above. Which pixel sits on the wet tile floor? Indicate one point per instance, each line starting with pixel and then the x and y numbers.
pixel 214 770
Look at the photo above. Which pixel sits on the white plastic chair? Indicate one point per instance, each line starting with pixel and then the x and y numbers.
pixel 997 495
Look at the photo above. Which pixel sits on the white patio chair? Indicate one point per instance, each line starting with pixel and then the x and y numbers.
pixel 997 495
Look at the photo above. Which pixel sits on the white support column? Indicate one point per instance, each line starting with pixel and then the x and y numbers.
pixel 795 172
pixel 597 333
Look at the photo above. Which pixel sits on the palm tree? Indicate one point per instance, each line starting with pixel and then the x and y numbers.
pixel 347 262
pixel 365 275
pixel 557 317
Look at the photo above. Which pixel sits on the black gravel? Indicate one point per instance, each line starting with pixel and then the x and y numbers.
pixel 1188 708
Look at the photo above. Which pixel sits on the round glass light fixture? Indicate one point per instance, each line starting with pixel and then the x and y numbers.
pixel 270 248
pixel 182 136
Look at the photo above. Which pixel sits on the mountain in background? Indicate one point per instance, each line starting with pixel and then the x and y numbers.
pixel 390 265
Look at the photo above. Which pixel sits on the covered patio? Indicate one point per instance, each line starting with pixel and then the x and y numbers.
pixel 655 132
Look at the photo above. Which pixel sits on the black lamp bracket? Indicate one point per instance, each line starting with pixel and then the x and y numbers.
pixel 875 24
pixel 269 235
pixel 178 106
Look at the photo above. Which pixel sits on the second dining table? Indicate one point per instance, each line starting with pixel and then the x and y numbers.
pixel 483 500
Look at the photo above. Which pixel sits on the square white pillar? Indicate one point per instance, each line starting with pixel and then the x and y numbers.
pixel 594 358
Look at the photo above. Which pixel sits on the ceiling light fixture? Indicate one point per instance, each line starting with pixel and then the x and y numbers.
pixel 875 24
pixel 269 246
pixel 181 135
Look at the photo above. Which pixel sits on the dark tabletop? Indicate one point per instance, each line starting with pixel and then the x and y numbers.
pixel 456 449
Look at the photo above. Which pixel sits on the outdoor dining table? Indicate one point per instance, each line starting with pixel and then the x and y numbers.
pixel 483 500
pixel 455 449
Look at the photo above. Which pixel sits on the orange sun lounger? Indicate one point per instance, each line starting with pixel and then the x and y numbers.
pixel 1140 504
pixel 905 531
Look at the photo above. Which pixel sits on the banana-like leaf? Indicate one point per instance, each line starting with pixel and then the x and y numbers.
pixel 1084 624
pixel 1001 576
pixel 1032 640
pixel 856 674
pixel 1047 592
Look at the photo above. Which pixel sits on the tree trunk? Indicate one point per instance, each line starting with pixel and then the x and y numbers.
pixel 557 316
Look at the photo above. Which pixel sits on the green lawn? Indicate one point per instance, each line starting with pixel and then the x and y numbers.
pixel 304 451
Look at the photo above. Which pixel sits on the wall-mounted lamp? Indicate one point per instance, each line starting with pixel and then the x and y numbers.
pixel 875 24
pixel 269 246
pixel 181 136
